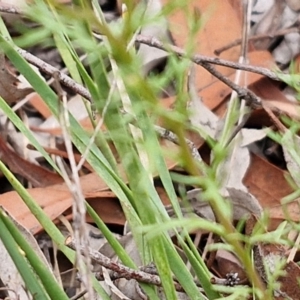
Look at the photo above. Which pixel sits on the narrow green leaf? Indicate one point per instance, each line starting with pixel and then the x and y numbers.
pixel 14 118
pixel 30 279
pixel 51 285
pixel 47 224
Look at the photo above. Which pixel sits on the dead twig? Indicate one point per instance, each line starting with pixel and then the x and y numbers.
pixel 50 70
pixel 200 59
pixel 258 37
pixel 120 270
pixel 251 99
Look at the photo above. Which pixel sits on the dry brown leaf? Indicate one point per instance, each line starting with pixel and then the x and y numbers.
pixel 238 8
pixel 210 37
pixel 107 208
pixel 212 91
pixel 54 200
pixel 35 174
pixel 272 97
pixel 268 184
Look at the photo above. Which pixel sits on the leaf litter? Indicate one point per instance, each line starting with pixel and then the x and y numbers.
pixel 250 183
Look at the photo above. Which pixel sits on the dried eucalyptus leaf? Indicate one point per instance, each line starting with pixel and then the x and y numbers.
pixel 232 170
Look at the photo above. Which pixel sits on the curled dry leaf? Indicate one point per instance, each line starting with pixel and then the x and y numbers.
pixel 232 170
pixel 212 36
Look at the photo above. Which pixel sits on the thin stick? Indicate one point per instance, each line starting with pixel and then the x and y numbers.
pixel 200 59
pixel 50 70
pixel 122 270
pixel 257 37
pixel 252 100
pixel 73 183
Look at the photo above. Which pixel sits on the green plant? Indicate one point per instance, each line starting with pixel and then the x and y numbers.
pixel 129 106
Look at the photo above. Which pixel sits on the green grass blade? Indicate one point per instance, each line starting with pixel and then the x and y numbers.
pixel 30 279
pixel 51 285
pixel 14 118
pixel 46 223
